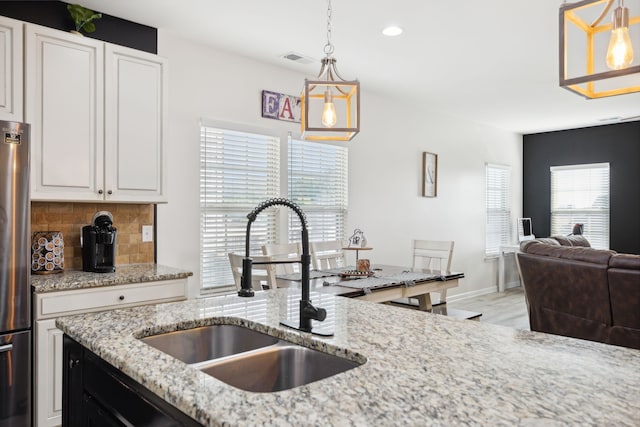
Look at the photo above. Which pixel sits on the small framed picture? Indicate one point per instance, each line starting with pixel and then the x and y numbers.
pixel 429 174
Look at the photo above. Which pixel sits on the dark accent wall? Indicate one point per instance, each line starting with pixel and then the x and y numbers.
pixel 617 144
pixel 110 29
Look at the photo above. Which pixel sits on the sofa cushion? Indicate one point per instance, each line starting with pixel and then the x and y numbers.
pixel 546 240
pixel 573 240
pixel 631 262
pixel 574 253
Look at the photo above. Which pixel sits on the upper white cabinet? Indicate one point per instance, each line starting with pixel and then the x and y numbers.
pixel 98 119
pixel 64 101
pixel 135 121
pixel 10 69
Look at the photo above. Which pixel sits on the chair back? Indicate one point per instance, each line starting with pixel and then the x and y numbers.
pixel 261 274
pixel 327 255
pixel 432 255
pixel 284 252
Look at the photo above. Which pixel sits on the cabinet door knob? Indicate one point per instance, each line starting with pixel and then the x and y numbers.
pixel 73 363
pixel 121 297
pixel 100 191
pixel 109 192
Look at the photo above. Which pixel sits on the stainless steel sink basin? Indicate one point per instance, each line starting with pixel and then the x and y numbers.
pixel 209 342
pixel 247 359
pixel 278 367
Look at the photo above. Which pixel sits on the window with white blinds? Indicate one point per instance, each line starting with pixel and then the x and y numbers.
pixel 238 170
pixel 580 194
pixel 318 182
pixel 498 228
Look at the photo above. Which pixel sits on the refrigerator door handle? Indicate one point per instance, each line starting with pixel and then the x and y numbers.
pixel 6 348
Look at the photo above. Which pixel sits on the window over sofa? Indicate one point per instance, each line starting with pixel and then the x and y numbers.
pixel 580 194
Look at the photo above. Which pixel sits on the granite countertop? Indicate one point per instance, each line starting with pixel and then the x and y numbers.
pixel 124 274
pixel 421 368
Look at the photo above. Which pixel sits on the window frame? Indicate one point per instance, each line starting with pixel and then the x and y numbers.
pixel 501 214
pixel 337 207
pixel 282 216
pixel 267 224
pixel 599 232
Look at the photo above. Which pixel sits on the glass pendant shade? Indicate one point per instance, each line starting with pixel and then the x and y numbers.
pixel 596 48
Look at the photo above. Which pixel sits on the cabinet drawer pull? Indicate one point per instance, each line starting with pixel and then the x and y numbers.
pixel 6 348
pixel 121 297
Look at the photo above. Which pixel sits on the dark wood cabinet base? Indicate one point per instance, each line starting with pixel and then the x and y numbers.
pixel 97 394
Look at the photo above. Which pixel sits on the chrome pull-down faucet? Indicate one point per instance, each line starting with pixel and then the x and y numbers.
pixel 307 311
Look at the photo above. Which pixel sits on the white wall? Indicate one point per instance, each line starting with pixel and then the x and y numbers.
pixel 385 162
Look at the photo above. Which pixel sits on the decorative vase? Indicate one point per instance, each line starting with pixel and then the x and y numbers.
pixel 77 33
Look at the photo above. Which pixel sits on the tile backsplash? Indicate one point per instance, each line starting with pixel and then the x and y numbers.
pixel 69 218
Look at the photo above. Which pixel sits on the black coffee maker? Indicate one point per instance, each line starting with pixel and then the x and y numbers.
pixel 99 244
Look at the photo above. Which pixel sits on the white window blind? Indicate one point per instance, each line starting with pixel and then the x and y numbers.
pixel 498 228
pixel 238 170
pixel 580 194
pixel 318 183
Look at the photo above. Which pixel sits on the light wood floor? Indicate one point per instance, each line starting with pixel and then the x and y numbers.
pixel 501 308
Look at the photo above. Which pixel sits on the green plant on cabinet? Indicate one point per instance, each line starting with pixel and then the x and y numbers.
pixel 83 17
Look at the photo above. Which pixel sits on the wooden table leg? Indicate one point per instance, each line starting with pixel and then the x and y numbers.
pixel 424 302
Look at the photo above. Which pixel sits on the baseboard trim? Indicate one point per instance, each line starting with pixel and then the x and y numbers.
pixel 511 285
pixel 471 294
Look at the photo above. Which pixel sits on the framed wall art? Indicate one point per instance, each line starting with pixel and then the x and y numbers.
pixel 429 174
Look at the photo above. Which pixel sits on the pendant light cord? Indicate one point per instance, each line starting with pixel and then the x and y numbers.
pixel 328 48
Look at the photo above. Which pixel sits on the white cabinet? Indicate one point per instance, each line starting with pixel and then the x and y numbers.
pixel 48 339
pixel 98 115
pixel 135 121
pixel 48 371
pixel 10 69
pixel 64 98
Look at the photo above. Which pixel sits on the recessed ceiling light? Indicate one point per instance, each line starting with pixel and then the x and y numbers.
pixel 392 31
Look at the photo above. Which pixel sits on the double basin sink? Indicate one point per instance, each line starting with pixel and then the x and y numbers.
pixel 248 359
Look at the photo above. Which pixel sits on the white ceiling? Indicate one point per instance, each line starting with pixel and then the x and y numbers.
pixel 492 61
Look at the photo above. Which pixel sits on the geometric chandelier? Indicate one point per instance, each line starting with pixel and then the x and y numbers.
pixel 597 54
pixel 330 107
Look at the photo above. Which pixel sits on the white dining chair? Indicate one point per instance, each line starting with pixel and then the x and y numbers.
pixel 327 255
pixel 432 255
pixel 262 275
pixel 284 252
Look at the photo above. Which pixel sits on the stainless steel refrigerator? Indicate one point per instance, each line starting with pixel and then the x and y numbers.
pixel 15 293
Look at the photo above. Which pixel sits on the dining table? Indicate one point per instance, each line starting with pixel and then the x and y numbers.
pixel 383 283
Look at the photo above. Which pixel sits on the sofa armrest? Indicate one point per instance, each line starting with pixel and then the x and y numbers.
pixel 566 296
pixel 624 288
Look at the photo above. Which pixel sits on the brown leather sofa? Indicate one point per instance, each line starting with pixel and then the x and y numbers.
pixel 581 292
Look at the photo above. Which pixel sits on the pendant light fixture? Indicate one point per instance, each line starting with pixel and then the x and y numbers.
pixel 596 56
pixel 330 104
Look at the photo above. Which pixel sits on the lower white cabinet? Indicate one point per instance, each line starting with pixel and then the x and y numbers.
pixel 48 338
pixel 48 372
